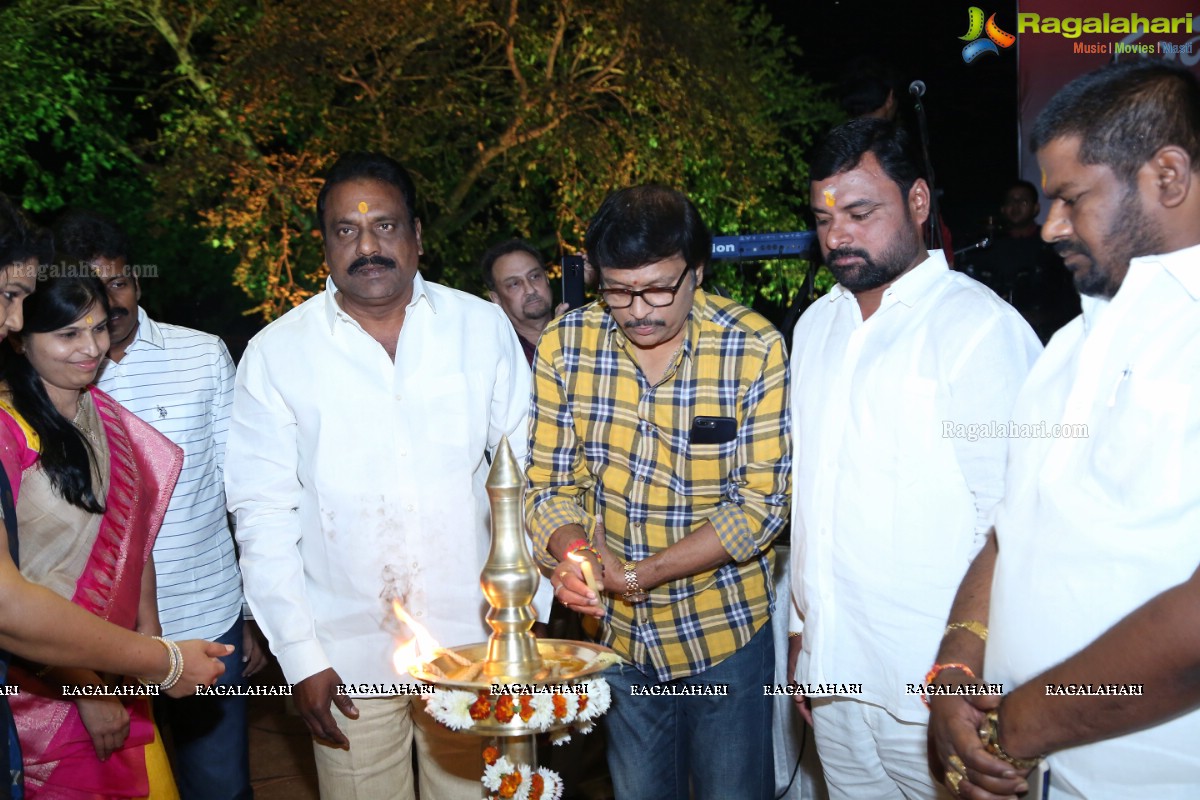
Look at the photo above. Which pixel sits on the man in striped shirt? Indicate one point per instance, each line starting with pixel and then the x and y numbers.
pixel 659 442
pixel 181 382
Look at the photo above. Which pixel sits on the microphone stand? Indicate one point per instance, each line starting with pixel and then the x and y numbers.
pixel 917 89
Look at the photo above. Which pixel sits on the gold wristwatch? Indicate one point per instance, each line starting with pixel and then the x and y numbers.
pixel 633 594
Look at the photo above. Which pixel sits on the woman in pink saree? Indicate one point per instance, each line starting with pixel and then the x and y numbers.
pixel 95 481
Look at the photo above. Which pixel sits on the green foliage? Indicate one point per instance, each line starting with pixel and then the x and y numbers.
pixel 515 117
pixel 62 129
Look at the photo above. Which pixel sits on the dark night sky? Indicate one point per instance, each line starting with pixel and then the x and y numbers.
pixel 972 108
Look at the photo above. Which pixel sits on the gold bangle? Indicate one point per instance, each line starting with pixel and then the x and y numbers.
pixel 793 635
pixel 990 736
pixel 977 628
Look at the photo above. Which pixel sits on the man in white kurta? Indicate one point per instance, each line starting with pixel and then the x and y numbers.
pixel 895 378
pixel 1091 588
pixel 357 457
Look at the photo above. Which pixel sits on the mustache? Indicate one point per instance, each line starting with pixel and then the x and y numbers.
pixel 1071 248
pixel 846 252
pixel 117 311
pixel 637 323
pixel 374 261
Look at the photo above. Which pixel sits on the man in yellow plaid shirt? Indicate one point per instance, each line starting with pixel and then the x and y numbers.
pixel 659 441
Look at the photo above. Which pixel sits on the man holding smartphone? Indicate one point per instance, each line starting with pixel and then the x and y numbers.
pixel 660 458
pixel 515 274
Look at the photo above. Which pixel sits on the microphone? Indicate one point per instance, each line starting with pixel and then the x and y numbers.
pixel 982 244
pixel 917 88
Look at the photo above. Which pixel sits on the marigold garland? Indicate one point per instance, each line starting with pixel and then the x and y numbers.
pixel 456 709
pixel 556 712
pixel 505 780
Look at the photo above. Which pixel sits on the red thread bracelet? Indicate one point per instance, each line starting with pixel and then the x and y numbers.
pixel 937 670
pixel 582 544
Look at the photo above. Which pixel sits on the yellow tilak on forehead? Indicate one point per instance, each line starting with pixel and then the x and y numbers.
pixel 830 200
pixel 1043 180
pixel 363 207
pixel 89 319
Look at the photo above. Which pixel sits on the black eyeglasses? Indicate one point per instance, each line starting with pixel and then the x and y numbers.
pixel 655 296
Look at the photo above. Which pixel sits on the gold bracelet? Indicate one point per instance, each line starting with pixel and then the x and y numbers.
pixel 634 593
pixel 977 628
pixel 990 736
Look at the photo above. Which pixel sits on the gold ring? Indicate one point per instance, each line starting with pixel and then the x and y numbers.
pixel 957 764
pixel 954 779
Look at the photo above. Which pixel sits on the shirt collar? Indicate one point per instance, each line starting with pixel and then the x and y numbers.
pixel 1179 264
pixel 910 287
pixel 333 310
pixel 1183 265
pixel 147 332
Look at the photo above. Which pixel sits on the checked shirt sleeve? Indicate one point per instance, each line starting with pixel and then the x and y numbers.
pixel 756 507
pixel 558 478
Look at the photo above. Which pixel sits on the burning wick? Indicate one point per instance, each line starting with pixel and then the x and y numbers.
pixel 588 577
pixel 415 649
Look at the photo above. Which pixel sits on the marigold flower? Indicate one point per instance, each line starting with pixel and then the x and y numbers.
pixel 481 708
pixel 510 783
pixel 527 709
pixel 505 710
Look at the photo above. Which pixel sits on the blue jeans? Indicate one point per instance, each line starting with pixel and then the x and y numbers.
pixel 212 746
pixel 723 743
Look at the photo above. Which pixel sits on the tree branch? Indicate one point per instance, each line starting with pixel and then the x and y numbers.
pixel 511 54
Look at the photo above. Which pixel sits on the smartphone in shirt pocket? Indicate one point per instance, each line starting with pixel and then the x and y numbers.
pixel 713 430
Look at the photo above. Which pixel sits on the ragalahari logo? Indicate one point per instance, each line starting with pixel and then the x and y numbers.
pixel 995 40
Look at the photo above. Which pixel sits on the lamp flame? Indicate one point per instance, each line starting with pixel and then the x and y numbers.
pixel 415 650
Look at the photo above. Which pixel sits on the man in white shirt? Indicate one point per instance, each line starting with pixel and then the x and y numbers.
pixel 1090 584
pixel 892 496
pixel 180 381
pixel 362 423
